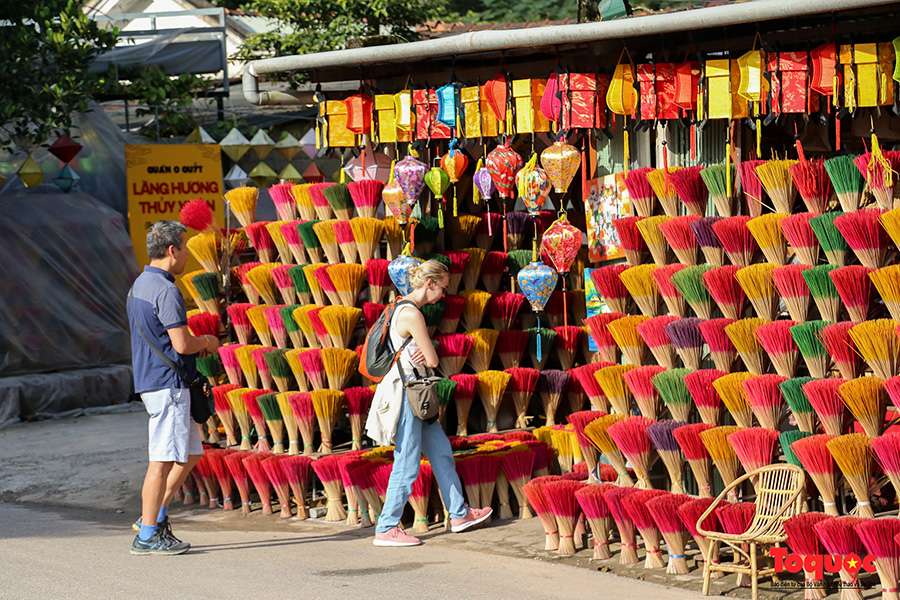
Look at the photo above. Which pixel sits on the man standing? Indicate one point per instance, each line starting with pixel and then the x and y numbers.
pixel 159 338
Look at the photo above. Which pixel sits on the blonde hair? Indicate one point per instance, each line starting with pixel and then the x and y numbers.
pixel 430 270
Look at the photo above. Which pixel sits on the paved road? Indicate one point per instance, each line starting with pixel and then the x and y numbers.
pixel 76 554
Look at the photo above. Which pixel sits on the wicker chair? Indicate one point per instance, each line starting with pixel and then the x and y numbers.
pixel 779 496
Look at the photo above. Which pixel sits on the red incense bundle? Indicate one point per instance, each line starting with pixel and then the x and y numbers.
pixel 735 517
pixel 261 240
pixel 640 191
pixel 259 421
pixel 802 540
pixel 237 314
pixel 511 347
pixel 522 384
pixel 223 410
pixel 724 289
pixel 598 328
pixel 690 512
pixel 812 181
pixel 839 538
pixel 504 309
pixel 453 350
pixel 463 395
pixel 680 236
pixel 278 480
pixel 736 240
pixel 630 238
pixel 879 169
pixel 215 459
pixel 879 536
pixel 379 281
pixel 664 510
pixel 371 312
pixel 253 465
pixel 296 472
pixel 864 234
pixel 655 334
pixel 695 452
pixel 240 272
pixel 419 494
pixel 534 493
pixel 822 395
pixel 579 420
pixel 593 505
pixel 892 387
pixel 801 238
pixel 791 285
pixel 700 386
pixel 854 287
pixel 568 339
pixel 454 306
pixel 690 188
pixel 560 499
pixel 721 348
pixel 636 506
pixel 887 452
pixel 366 195
pixel 640 383
pixel 358 400
pixel 305 415
pixel 754 446
pixel 777 341
pixel 328 470
pixel 492 268
pixel 630 435
pixel 765 400
pixel 585 376
pixel 517 465
pixel 840 346
pixel 609 286
pixel 813 454
pixel 313 368
pixel 615 497
pixel 670 293
pixel 555 308
pixel 234 461
pixel 752 186
pixel 458 261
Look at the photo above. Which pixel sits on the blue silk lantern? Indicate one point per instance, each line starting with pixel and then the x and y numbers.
pixel 537 281
pixel 448 101
pixel 398 271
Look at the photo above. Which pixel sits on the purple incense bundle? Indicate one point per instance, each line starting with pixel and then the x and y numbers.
pixel 708 241
pixel 663 437
pixel 687 340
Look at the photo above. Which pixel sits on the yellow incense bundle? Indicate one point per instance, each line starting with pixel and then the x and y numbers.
pixel 324 230
pixel 284 251
pixel 664 190
pixel 340 365
pixel 624 333
pixel 766 230
pixel 653 237
pixel 597 432
pixel 473 313
pixel 866 399
pixel 758 285
pixel 775 176
pixel 348 280
pixel 734 396
pixel 242 202
pixel 639 282
pixel 301 318
pixel 484 341
pixel 367 232
pixel 612 382
pixel 293 360
pixel 340 321
pixel 239 410
pixel 491 387
pixel 204 247
pixel 248 365
pixel 263 282
pixel 720 451
pixel 472 270
pixel 887 282
pixel 328 405
pixel 879 345
pixel 257 316
pixel 742 334
pixel 853 456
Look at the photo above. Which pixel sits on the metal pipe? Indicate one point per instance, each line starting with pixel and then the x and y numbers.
pixel 556 35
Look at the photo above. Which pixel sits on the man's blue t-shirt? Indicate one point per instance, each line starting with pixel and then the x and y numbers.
pixel 155 304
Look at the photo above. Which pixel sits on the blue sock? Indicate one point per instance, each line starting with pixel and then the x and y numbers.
pixel 147 532
pixel 163 513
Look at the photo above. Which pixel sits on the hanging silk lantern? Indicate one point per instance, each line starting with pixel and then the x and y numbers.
pixel 561 243
pixel 395 201
pixel 503 163
pixel 410 174
pixel 454 164
pixel 535 190
pixel 561 161
pixel 484 183
pixel 537 282
pixel 437 181
pixel 398 271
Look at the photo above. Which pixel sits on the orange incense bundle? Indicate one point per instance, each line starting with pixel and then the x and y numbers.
pixel 492 268
pixel 640 191
pixel 596 512
pixel 640 383
pixel 840 346
pixel 721 348
pixel 534 492
pixel 664 510
pixel 670 293
pixel 866 400
pixel 736 239
pixel 679 234
pixel 864 234
pixel 476 303
pixel 463 395
pixel 766 230
pixel 724 289
pixel 598 328
pixel 504 308
pixel 801 238
pixel 690 188
pixel 252 462
pixel 328 470
pixel 654 334
pixel 615 497
pixel 636 506
pixel 792 287
pixel 585 377
pixel 597 431
pixel 853 454
pixel 453 351
pixel 630 238
pixel 699 385
pixel 560 499
pixel 776 340
pixel 630 435
pixel 609 286
pixel 730 388
pixel 754 447
pixel 696 454
pixel 742 334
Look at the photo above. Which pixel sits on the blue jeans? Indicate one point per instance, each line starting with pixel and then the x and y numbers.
pixel 413 437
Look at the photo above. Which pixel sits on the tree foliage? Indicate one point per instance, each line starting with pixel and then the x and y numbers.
pixel 47 48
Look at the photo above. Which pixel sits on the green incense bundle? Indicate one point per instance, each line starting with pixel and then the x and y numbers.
pixel 806 336
pixel 339 199
pixel 207 285
pixel 689 282
pixel 291 326
pixel 846 179
pixel 426 231
pixel 433 313
pixel 298 276
pixel 823 292
pixel 674 393
pixel 548 337
pixel 786 439
pixel 444 390
pixel 210 366
pixel 279 369
pixel 714 176
pixel 517 260
pixel 441 258
pixel 792 390
pixel 831 240
pixel 268 404
pixel 308 235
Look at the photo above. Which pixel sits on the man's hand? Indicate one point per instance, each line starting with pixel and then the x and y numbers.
pixel 418 358
pixel 211 343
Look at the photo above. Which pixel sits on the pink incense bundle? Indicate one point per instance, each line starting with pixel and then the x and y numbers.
pixel 328 470
pixel 282 277
pixel 560 499
pixel 680 236
pixel 358 400
pixel 640 383
pixel 262 367
pixel 240 273
pixel 736 239
pixel 522 384
pixel 664 510
pixel 754 447
pixel 568 340
pixel 700 386
pixel 636 506
pixel 252 462
pixel 320 202
pixel 371 312
pixel 695 452
pixel 671 295
pixel 585 376
pixel 511 346
pixel 690 189
pixel 251 401
pixel 206 482
pixel 752 186
pixel 630 238
pixel 234 461
pixel 838 537
pixel 863 232
pixel 822 395
pixel 534 492
pixel 842 349
pixel 517 465
pixel 293 240
pixel 579 420
pixel 801 238
pixel 814 456
pixel 463 395
pixel 325 282
pixel 492 268
pixel 504 308
pixel 802 540
pixel 812 181
pixel 792 287
pixel 278 480
pixel 615 497
pixel 366 195
pixel 458 261
pixel 609 286
pixel 454 306
pixel 359 482
pixel 215 458
pixel 721 348
pixel 892 387
pixel 313 368
pixel 630 435
pixel 596 512
pixel 640 191
pixel 777 341
pixel 887 452
pixel 453 350
pixel 379 281
pixel 655 334
pixel 854 287
pixel 261 240
pixel 725 290
pixel 598 328
pixel 879 536
pixel 735 517
pixel 880 175
pixel 765 400
pixel 276 325
pixel 237 314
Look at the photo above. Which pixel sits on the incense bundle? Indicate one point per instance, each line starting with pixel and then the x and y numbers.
pixel 483 344
pixel 724 289
pixel 804 416
pixel 679 234
pixel 568 340
pixel 278 480
pixel 708 241
pixel 731 390
pixel 476 303
pixel 742 334
pixel 687 341
pixel 886 448
pixel 801 238
pixel 492 269
pixel 237 314
pixel 640 191
pixel 721 452
pixel 463 395
pixel 453 351
pixel 823 291
pixel 459 259
pixel 578 420
pixel 662 435
pixel 540 345
pixel 879 538
pixel 320 202
pixel 347 280
pixel 721 349
pixel 305 416
pixel 240 273
pixel 366 194
pixel 395 236
pixel 630 435
pixel 340 364
pixel 204 247
pixel 766 230
pixel 853 456
pixel 263 282
pixel 234 462
pixel 504 309
pixel 811 180
pixel 491 387
pixel 551 385
pixel 208 289
pixel 775 177
pixel 846 179
pixel 281 275
pixel 242 203
pixel 630 238
pixel 231 363
pixel 445 390
pixel 659 180
pixel 887 282
pixel 517 465
pixel 490 222
pixel 367 233
pixel 670 294
pixel 716 178
pixel 866 400
pixel 248 365
pixel 257 317
pixel 253 466
pixel 612 382
pixel 534 493
pixel 640 383
pixel 864 234
pixel 254 410
pixel 699 385
pixel 756 281
pixel 636 506
pixel 650 230
pixel 803 541
pixel 597 431
pixel 813 455
pixel 515 228
pixel 832 241
pixel 624 332
pixel 690 282
pixel 313 368
pixel 690 512
pixel 615 497
pixel 763 393
pixel 808 338
pixel 691 444
pixel 379 280
pixel 338 197
pixel 654 333
pixel 879 346
pixel 325 233
pixel 276 325
pixel 879 168
pixel 839 538
pixel 278 368
pixel 674 393
pixel 472 269
pixel 275 232
pixel 736 240
pixel 560 498
pixel 261 239
pixel 585 376
pixel 591 500
pixel 792 288
pixel 640 284
pixel 340 322
pixel 776 340
pixel 223 410
pixel 610 287
pixel 598 328
pixel 301 317
pixel 890 220
pixel 690 187
pixel 664 510
pixel 419 494
pixel 327 405
pixel 754 447
pixel 823 396
pixel 328 470
pixel 466 226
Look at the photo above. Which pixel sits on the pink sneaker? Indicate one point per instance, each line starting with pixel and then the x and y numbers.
pixel 475 516
pixel 395 538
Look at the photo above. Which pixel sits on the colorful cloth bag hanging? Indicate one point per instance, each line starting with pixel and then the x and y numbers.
pixel 867 69
pixel 824 69
pixel 527 94
pixel 718 89
pixel 337 133
pixel 551 101
pixel 621 97
pixel 582 106
pixel 496 92
pixel 448 104
pixel 657 84
pixel 386 121
pixel 788 73
pixel 359 113
pixel 687 86
pixel 404 114
pixel 427 124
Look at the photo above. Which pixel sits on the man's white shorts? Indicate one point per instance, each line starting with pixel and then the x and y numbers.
pixel 173 434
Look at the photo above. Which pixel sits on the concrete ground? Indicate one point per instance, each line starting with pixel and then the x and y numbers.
pixel 69 490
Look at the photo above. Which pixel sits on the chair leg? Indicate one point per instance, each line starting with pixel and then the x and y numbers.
pixel 707 567
pixel 754 583
pixel 775 578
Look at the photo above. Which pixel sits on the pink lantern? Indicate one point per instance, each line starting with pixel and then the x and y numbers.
pixel 410 175
pixel 560 244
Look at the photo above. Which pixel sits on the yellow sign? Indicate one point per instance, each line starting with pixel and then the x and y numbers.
pixel 162 178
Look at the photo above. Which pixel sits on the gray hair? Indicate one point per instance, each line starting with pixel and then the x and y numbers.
pixel 163 234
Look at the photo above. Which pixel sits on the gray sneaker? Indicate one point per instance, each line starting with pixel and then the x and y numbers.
pixel 160 543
